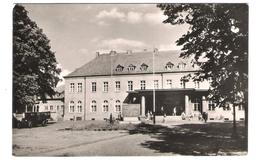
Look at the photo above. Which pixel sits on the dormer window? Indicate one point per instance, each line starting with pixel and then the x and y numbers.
pixel 181 65
pixel 119 68
pixel 143 67
pixel 131 67
pixel 169 66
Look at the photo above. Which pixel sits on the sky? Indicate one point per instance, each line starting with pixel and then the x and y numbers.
pixel 78 31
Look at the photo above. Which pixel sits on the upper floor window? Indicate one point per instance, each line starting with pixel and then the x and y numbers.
pixel 58 108
pixel 71 106
pixel 156 84
pixel 93 86
pixel 94 106
pixel 117 86
pixel 79 106
pixel 197 84
pixel 118 106
pixel 119 68
pixel 130 85
pixel 131 67
pixel 143 67
pixel 169 83
pixel 72 87
pixel 183 83
pixel 46 107
pixel 79 87
pixel 105 106
pixel 181 65
pixel 142 84
pixel 211 105
pixel 51 107
pixel 105 89
pixel 169 66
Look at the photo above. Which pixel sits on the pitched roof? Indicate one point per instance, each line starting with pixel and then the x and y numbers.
pixel 105 64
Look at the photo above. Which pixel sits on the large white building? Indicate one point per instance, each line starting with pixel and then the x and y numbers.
pixel 126 83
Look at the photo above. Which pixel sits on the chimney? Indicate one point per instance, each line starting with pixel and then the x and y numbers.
pixel 97 54
pixel 128 52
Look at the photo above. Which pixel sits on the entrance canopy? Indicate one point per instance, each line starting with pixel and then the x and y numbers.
pixel 166 101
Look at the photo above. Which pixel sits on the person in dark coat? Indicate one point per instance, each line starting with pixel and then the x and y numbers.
pixel 205 116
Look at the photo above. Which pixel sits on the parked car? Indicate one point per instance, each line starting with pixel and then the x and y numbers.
pixel 30 119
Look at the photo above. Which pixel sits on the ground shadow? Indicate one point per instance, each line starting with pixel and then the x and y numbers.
pixel 194 139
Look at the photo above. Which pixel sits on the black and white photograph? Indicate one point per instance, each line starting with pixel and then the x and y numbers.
pixel 134 79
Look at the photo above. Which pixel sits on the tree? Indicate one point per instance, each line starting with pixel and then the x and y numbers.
pixel 217 39
pixel 35 71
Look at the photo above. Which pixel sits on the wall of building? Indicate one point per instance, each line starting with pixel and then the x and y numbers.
pixel 87 96
pixel 56 107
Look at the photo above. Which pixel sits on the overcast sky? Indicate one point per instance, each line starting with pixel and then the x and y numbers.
pixel 77 31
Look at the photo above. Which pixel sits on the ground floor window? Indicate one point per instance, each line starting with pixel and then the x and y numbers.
pixel 241 107
pixel 197 104
pixel 211 105
pixel 118 106
pixel 79 106
pixel 226 107
pixel 105 106
pixel 71 106
pixel 94 106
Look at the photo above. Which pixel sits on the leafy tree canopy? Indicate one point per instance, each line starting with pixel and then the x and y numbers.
pixel 217 40
pixel 35 71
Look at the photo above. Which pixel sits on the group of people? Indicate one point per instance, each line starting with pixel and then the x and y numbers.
pixel 202 117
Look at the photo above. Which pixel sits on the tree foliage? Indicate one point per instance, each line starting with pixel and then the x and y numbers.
pixel 217 39
pixel 35 71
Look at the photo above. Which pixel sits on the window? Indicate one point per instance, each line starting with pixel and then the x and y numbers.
pixel 118 106
pixel 58 108
pixel 197 104
pixel 241 107
pixel 169 66
pixel 226 107
pixel 181 65
pixel 79 87
pixel 94 106
pixel 117 86
pixel 156 84
pixel 197 84
pixel 211 106
pixel 183 84
pixel 46 107
pixel 169 83
pixel 93 86
pixel 105 87
pixel 131 67
pixel 143 67
pixel 62 107
pixel 51 107
pixel 79 106
pixel 72 87
pixel 119 68
pixel 71 106
pixel 142 84
pixel 105 106
pixel 130 85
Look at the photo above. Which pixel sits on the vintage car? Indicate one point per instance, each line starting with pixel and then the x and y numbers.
pixel 30 119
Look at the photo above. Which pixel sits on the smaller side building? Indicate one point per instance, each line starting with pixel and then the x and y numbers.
pixel 53 104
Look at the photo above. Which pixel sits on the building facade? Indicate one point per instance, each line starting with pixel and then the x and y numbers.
pixel 54 105
pixel 134 84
